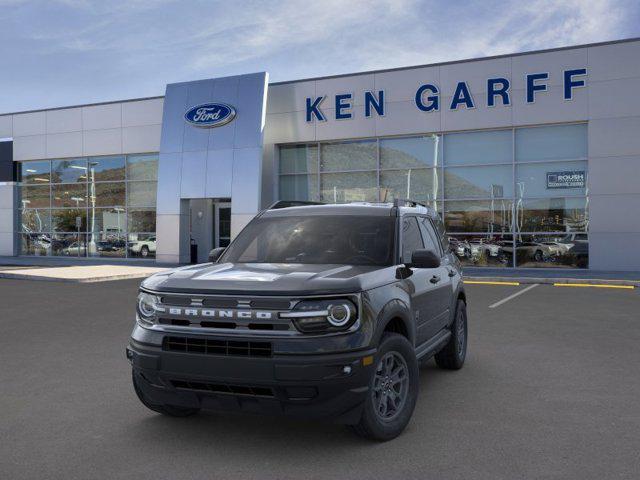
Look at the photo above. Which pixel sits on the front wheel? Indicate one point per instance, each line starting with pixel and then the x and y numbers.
pixel 393 390
pixel 144 251
pixel 452 356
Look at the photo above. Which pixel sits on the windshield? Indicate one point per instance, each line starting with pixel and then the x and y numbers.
pixel 336 239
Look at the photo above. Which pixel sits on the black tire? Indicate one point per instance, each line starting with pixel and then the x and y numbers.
pixel 169 410
pixel 144 251
pixel 452 356
pixel 383 426
pixel 538 256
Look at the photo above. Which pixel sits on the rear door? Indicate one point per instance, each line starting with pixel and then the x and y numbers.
pixel 443 285
pixel 420 283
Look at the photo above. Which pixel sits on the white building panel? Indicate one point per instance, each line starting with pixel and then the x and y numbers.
pixel 140 139
pixel 102 142
pixel 63 145
pixel 32 147
pixel 32 123
pixel 142 112
pixel 64 120
pixel 100 117
pixel 6 126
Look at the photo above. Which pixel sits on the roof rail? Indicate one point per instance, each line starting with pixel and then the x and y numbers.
pixel 292 203
pixel 403 202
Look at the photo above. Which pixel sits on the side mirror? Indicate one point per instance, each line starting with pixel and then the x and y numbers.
pixel 215 254
pixel 424 259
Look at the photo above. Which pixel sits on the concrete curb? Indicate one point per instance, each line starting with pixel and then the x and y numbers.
pixel 18 276
pixel 551 281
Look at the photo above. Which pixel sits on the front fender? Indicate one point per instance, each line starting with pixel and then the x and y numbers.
pixel 392 310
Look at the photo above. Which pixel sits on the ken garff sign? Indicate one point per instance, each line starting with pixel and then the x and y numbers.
pixel 210 115
pixel 568 179
pixel 427 96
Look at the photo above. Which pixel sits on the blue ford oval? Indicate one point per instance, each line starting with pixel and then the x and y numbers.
pixel 210 115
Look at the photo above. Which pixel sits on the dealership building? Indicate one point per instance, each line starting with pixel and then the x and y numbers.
pixel 532 159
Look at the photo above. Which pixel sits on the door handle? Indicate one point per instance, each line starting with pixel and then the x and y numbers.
pixel 435 279
pixel 452 273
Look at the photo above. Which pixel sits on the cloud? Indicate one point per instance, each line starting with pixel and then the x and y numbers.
pixel 120 48
pixel 497 28
pixel 253 33
pixel 362 35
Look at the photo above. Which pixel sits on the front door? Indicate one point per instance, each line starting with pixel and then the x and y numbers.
pixel 440 297
pixel 222 231
pixel 422 287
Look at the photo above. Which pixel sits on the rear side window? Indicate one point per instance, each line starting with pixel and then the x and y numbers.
pixel 411 238
pixel 431 241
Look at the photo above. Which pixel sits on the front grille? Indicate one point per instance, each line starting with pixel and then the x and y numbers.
pixel 230 325
pixel 224 388
pixel 271 303
pixel 260 315
pixel 220 302
pixel 208 346
pixel 266 303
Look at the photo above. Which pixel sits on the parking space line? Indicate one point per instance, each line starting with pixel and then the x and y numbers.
pixel 479 282
pixel 594 285
pixel 512 296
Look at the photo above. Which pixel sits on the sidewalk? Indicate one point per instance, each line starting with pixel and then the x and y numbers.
pixel 96 270
pixel 551 276
pixel 79 273
pixel 72 261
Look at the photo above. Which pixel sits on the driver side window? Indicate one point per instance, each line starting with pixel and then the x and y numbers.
pixel 411 238
pixel 429 236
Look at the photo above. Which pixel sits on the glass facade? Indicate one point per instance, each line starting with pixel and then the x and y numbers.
pixel 94 206
pixel 511 197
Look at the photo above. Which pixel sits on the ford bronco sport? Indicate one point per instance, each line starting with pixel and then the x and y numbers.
pixel 316 311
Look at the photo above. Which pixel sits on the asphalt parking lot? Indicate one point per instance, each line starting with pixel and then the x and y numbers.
pixel 551 389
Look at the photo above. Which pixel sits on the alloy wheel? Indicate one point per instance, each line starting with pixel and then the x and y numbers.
pixel 391 386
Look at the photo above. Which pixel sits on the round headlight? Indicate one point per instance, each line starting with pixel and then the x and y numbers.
pixel 339 314
pixel 146 306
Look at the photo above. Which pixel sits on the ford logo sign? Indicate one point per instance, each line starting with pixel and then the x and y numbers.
pixel 210 115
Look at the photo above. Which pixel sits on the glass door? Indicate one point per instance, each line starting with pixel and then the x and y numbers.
pixel 223 224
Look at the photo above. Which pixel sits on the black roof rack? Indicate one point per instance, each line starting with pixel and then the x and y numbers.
pixel 292 203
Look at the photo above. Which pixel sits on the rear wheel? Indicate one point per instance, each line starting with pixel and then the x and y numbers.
pixel 393 390
pixel 169 410
pixel 144 251
pixel 452 356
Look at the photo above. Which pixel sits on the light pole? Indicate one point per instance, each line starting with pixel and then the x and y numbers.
pixel 436 145
pixel 92 197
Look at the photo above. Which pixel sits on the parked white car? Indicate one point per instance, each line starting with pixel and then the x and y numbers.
pixel 557 248
pixel 482 246
pixel 143 247
pixel 74 250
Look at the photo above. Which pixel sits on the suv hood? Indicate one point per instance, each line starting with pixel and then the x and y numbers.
pixel 270 279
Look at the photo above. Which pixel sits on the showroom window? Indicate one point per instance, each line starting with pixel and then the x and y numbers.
pixel 510 197
pixel 88 207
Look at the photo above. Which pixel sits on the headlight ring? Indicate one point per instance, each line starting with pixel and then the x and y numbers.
pixel 340 314
pixel 146 307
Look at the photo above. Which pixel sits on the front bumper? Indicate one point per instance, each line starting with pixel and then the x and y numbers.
pixel 331 385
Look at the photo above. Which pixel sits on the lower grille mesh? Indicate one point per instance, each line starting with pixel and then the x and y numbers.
pixel 224 388
pixel 217 347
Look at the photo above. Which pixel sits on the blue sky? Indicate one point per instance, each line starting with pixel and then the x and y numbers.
pixel 67 52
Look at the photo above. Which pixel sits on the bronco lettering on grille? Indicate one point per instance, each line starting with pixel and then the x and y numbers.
pixel 217 313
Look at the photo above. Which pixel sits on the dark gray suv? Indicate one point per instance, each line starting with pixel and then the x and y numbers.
pixel 315 311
